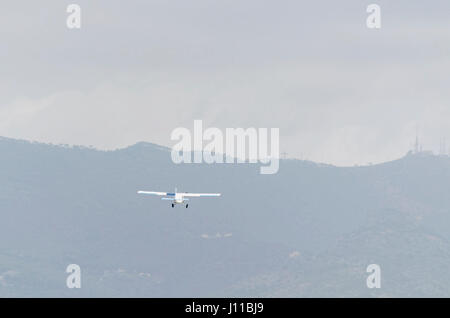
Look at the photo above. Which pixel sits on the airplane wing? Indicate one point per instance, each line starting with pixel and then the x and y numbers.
pixel 156 193
pixel 201 194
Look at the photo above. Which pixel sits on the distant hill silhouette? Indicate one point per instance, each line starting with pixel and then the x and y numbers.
pixel 310 230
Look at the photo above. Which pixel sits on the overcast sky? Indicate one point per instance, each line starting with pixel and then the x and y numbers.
pixel 339 92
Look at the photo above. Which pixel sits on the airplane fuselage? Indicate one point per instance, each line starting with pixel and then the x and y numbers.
pixel 178 199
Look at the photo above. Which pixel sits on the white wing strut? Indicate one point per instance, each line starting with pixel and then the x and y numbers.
pixel 201 194
pixel 153 193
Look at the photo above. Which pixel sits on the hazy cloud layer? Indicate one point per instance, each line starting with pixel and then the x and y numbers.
pixel 339 92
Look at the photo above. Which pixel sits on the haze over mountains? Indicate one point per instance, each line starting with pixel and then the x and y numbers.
pixel 309 230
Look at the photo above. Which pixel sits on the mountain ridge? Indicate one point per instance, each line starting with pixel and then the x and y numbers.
pixel 309 230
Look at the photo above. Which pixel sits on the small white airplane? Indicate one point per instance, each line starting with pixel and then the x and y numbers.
pixel 179 197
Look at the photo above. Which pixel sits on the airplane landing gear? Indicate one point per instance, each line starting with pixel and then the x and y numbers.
pixel 187 206
pixel 173 205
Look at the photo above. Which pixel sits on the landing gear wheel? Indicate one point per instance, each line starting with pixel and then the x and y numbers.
pixel 173 205
pixel 187 206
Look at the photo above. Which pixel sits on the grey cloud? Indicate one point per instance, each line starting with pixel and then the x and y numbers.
pixel 339 93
